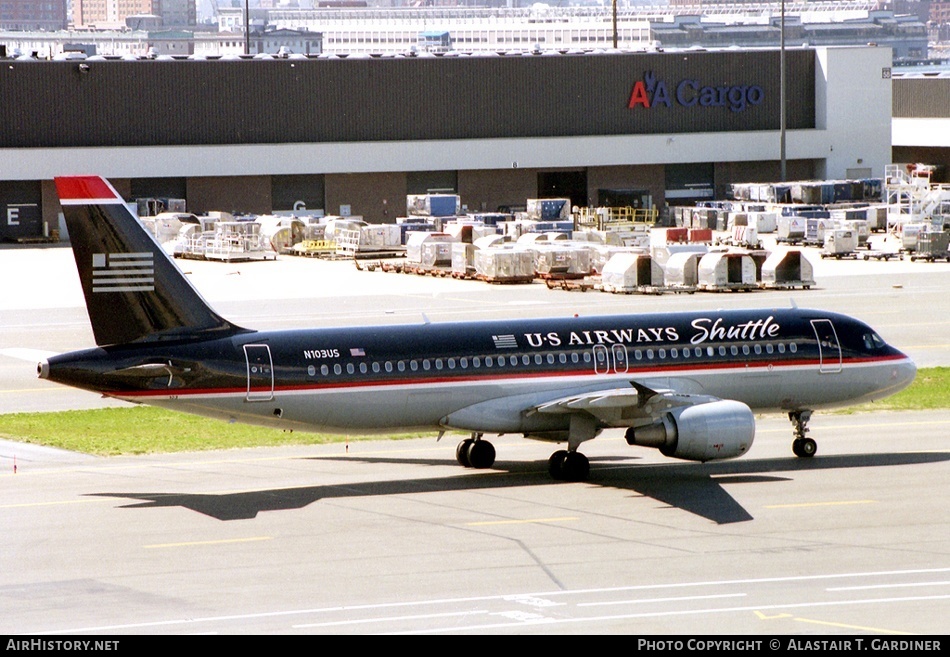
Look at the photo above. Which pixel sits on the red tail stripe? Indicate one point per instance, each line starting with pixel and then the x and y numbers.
pixel 84 188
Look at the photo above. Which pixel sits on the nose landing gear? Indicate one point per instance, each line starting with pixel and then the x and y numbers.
pixel 802 445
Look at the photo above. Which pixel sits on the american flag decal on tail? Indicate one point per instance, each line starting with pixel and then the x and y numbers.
pixel 123 272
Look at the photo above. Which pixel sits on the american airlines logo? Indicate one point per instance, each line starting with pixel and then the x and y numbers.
pixel 651 93
pixel 123 272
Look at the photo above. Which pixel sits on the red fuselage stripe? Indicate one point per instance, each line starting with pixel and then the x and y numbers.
pixel 496 374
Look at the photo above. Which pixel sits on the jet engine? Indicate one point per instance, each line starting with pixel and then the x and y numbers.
pixel 703 432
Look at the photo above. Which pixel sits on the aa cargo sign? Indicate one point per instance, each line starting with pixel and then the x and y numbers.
pixel 652 93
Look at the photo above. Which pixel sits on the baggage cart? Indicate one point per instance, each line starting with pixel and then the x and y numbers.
pixel 840 243
pixel 932 245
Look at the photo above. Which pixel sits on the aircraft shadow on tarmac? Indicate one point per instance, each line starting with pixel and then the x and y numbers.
pixel 694 488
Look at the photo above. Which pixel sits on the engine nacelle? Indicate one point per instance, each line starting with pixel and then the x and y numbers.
pixel 704 432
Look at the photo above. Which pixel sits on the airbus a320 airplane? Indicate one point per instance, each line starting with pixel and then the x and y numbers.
pixel 686 383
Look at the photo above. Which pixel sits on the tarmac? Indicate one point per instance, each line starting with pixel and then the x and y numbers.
pixel 394 537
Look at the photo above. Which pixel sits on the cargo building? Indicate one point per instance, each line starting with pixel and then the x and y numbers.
pixel 361 133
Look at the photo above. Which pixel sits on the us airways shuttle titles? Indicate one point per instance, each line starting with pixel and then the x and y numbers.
pixel 685 383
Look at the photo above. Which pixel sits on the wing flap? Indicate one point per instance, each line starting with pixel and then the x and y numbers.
pixel 599 399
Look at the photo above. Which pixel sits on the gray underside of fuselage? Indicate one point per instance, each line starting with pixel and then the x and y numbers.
pixel 380 409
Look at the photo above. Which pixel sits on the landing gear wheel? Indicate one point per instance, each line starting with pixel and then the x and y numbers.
pixel 481 454
pixel 461 452
pixel 569 466
pixel 554 463
pixel 804 447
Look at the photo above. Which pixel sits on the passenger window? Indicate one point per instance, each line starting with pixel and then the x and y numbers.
pixel 362 368
pixel 376 368
pixel 324 370
pixel 350 369
pixel 311 370
pixel 793 347
pixel 337 369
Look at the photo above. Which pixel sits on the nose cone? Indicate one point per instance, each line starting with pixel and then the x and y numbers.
pixel 900 373
pixel 904 373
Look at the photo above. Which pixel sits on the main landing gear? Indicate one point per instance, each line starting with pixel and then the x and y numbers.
pixel 568 466
pixel 475 453
pixel 802 446
pixel 564 464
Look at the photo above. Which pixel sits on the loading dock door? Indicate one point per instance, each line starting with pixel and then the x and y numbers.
pixel 624 198
pixel 260 372
pixel 564 184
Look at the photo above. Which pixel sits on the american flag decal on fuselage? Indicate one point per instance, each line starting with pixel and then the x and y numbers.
pixel 123 272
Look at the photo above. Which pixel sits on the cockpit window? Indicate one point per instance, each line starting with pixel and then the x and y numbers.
pixel 872 341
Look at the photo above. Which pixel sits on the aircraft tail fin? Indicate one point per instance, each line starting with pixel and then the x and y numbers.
pixel 134 291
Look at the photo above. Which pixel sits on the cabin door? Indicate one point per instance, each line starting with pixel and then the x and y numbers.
pixel 829 349
pixel 260 372
pixel 610 360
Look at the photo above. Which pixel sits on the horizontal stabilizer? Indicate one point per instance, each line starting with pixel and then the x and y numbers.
pixel 32 355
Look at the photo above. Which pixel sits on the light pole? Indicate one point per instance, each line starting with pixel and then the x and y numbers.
pixel 614 6
pixel 781 94
pixel 247 28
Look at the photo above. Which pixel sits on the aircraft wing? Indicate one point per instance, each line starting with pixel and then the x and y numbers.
pixel 621 407
pixel 628 404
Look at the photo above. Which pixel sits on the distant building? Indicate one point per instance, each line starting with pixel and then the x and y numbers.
pixel 32 15
pixel 113 14
pixel 454 30
pixel 905 35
